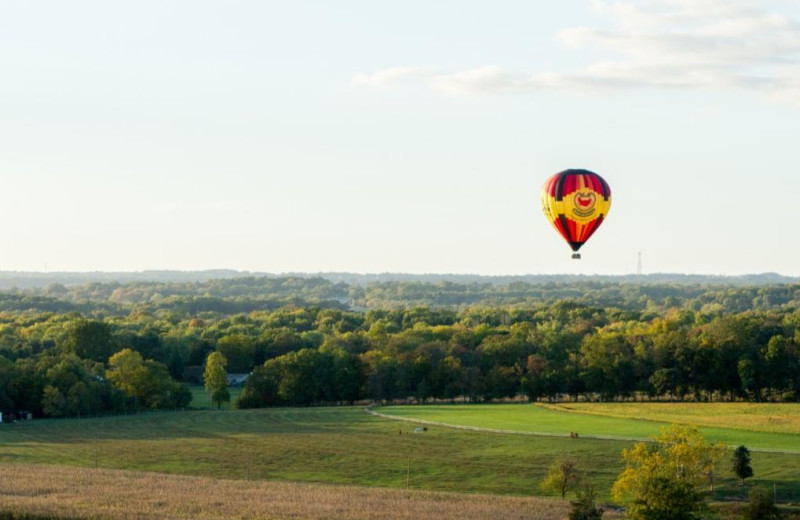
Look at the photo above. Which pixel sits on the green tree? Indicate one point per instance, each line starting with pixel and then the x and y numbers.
pixel 7 389
pixel 90 340
pixel 80 399
pixel 215 378
pixel 534 383
pixel 303 377
pixel 778 361
pixel 562 476
pixel 348 376
pixel 662 481
pixel 741 463
pixel 608 364
pixel 261 388
pixel 53 402
pixel 239 352
pixel 500 381
pixel 665 381
pixel 159 390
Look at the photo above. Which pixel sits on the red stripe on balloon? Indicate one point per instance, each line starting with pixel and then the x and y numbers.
pixel 551 185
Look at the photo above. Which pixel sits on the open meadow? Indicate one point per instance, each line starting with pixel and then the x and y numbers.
pixel 340 445
pixel 327 445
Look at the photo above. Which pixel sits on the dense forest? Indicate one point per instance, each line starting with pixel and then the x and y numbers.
pixel 73 350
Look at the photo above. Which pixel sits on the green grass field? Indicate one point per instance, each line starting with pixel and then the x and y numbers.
pixel 584 419
pixel 335 445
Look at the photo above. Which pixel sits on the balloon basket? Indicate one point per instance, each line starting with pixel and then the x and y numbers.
pixel 576 256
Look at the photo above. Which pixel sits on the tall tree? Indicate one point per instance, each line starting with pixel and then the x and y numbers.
pixel 741 463
pixel 215 378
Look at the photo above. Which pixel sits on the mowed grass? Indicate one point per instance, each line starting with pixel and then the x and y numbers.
pixel 641 422
pixel 50 492
pixel 771 417
pixel 337 445
pixel 201 400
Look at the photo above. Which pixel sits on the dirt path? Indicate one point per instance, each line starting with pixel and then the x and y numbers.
pixel 370 411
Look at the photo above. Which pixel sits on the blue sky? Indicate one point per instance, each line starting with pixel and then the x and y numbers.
pixel 406 136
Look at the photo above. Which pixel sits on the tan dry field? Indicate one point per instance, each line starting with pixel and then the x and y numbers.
pixel 759 417
pixel 82 493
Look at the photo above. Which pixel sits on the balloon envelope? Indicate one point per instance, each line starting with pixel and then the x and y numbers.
pixel 576 202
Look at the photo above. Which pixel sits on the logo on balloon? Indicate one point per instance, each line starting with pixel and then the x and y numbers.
pixel 584 204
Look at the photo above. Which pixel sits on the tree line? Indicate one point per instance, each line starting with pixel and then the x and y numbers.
pixel 247 294
pixel 85 371
pixel 71 364
pixel 565 350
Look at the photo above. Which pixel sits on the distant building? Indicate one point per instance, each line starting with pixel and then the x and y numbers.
pixel 14 416
pixel 237 379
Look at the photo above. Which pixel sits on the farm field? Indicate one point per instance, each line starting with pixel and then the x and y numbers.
pixel 639 423
pixel 76 493
pixel 338 445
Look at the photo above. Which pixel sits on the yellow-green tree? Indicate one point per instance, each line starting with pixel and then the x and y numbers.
pixel 562 476
pixel 128 373
pixel 215 378
pixel 663 480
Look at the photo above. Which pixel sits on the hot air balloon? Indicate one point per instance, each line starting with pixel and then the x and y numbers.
pixel 576 202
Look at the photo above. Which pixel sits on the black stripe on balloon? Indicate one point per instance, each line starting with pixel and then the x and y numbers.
pixel 562 177
pixel 565 227
pixel 606 189
pixel 576 245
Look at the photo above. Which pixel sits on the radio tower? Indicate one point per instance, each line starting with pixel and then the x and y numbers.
pixel 639 265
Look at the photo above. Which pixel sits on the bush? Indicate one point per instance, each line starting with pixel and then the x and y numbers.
pixel 584 507
pixel 761 505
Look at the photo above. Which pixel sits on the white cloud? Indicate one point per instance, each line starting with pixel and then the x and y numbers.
pixel 477 80
pixel 690 44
